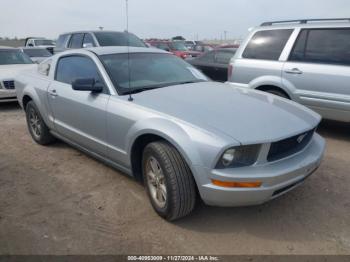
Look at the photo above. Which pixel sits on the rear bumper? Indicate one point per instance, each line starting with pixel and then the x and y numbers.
pixel 277 178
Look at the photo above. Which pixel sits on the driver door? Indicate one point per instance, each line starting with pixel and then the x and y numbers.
pixel 79 116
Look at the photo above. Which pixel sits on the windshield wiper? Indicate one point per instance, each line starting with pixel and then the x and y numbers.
pixel 189 82
pixel 129 91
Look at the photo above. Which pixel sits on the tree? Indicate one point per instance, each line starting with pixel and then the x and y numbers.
pixel 179 37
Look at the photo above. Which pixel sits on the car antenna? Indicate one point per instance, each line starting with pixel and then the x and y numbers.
pixel 128 44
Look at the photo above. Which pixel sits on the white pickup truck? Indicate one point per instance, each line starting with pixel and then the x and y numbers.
pixel 40 42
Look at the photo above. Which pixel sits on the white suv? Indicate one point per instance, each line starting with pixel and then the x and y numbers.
pixel 307 61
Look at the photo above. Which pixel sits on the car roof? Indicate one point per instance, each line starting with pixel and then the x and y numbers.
pixel 159 41
pixel 32 48
pixel 35 38
pixel 123 49
pixel 322 24
pixel 93 31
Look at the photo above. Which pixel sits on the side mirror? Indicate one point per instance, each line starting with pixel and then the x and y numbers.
pixel 30 45
pixel 87 84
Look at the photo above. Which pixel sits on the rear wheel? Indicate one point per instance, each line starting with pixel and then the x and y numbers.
pixel 37 127
pixel 168 181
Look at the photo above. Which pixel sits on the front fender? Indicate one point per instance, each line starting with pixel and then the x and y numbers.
pixel 39 97
pixel 197 146
pixel 169 131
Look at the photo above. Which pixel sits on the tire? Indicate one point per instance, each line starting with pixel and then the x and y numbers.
pixel 174 175
pixel 36 125
pixel 277 93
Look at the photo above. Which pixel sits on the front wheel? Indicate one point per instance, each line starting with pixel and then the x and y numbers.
pixel 37 127
pixel 168 181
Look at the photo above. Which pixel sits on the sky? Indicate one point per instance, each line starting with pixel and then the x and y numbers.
pixel 202 19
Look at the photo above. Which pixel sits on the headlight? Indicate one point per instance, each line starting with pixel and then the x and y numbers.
pixel 239 156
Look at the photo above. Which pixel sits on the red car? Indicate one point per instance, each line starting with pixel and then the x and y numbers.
pixel 178 48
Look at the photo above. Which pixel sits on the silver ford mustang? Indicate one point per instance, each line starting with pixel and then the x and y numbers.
pixel 157 118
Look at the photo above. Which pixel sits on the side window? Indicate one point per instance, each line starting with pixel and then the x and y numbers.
pixel 71 68
pixel 267 45
pixel 329 46
pixel 208 57
pixel 88 41
pixel 76 41
pixel 223 57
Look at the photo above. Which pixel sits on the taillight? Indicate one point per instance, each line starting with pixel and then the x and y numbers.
pixel 230 71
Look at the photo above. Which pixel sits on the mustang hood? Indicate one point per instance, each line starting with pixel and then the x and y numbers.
pixel 247 116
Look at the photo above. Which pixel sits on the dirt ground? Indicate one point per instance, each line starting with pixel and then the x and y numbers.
pixel 56 200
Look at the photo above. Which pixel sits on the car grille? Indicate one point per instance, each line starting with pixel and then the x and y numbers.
pixel 289 146
pixel 9 84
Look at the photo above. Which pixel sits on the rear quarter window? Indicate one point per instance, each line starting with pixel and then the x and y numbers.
pixel 76 41
pixel 327 46
pixel 62 41
pixel 267 44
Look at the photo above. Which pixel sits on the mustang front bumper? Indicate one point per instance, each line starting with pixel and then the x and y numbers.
pixel 277 178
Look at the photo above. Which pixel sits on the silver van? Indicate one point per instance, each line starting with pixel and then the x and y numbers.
pixel 307 61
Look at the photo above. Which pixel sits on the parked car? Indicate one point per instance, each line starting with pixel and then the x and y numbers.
pixel 12 61
pixel 157 118
pixel 190 44
pixel 306 62
pixel 36 54
pixel 203 48
pixel 178 48
pixel 84 39
pixel 214 64
pixel 40 42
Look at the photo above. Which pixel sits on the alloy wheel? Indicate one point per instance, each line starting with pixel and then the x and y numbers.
pixel 156 182
pixel 35 123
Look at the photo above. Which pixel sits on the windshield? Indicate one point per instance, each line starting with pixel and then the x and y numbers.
pixel 37 52
pixel 118 39
pixel 44 42
pixel 13 57
pixel 149 70
pixel 178 46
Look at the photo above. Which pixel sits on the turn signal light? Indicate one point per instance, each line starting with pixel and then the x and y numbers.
pixel 236 184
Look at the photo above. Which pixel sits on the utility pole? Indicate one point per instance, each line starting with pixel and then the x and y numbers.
pixel 225 35
pixel 127 15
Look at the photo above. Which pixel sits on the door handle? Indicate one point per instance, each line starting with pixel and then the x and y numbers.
pixel 53 93
pixel 295 71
